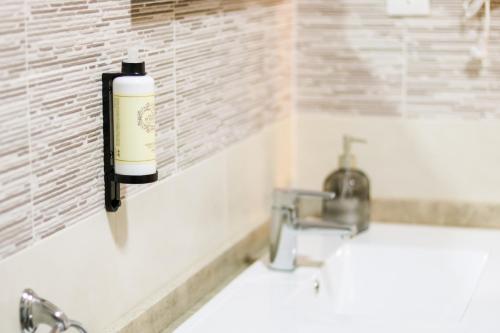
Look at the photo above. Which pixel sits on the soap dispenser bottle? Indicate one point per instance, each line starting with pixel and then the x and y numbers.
pixel 134 119
pixel 351 205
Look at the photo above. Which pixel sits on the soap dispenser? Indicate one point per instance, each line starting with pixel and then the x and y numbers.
pixel 351 205
pixel 129 128
pixel 134 118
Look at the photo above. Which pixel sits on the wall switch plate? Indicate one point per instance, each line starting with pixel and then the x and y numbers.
pixel 408 7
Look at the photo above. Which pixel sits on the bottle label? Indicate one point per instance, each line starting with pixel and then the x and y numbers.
pixel 134 127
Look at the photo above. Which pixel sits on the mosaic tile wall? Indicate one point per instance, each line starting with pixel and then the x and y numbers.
pixel 222 69
pixel 353 59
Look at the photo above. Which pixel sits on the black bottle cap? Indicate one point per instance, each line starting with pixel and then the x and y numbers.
pixel 133 68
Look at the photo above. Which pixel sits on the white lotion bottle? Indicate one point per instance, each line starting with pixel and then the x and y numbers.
pixel 134 119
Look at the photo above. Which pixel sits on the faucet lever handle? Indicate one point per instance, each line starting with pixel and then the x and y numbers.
pixel 289 197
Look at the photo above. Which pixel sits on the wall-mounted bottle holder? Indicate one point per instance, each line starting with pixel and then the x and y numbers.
pixel 111 179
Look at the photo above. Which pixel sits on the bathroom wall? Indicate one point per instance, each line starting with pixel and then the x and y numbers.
pixel 223 73
pixel 353 59
pixel 110 268
pixel 421 160
pixel 222 69
pixel 410 86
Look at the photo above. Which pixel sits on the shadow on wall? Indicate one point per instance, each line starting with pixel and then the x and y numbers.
pixel 118 225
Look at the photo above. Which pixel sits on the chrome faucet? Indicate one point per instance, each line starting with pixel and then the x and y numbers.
pixel 34 310
pixel 286 223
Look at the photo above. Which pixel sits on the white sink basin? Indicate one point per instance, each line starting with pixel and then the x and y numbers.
pixel 394 281
pixel 391 279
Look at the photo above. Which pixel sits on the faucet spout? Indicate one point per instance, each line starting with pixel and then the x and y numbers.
pixel 311 223
pixel 286 224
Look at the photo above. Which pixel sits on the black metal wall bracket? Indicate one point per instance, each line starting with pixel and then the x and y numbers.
pixel 111 179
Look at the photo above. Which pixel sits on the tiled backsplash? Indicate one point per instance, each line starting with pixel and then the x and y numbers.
pixel 353 59
pixel 222 69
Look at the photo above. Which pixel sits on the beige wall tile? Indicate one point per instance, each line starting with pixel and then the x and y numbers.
pixel 211 60
pixel 349 58
pixel 353 59
pixel 15 209
pixel 66 123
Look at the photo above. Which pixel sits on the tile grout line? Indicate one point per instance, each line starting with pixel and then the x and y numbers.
pixel 295 15
pixel 224 150
pixel 176 122
pixel 404 71
pixel 295 111
pixel 28 111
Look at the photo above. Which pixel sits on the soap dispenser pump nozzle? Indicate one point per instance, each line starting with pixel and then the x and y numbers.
pixel 133 65
pixel 347 159
pixel 133 55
